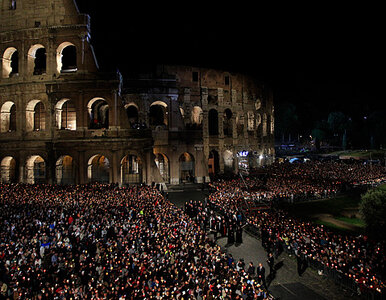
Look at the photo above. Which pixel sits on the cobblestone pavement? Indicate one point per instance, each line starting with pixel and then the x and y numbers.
pixel 286 284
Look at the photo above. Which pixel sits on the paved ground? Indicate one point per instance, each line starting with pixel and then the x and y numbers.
pixel 286 284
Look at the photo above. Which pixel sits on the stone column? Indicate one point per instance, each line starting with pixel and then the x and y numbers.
pixel 115 168
pixel 82 168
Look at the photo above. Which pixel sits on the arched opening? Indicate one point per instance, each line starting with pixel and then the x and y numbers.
pixel 40 61
pixel 98 111
pixel 162 163
pixel 35 116
pixel 69 59
pixel 66 59
pixel 132 115
pixel 131 169
pixel 10 62
pixel 37 60
pixel 228 161
pixel 35 169
pixel 65 115
pixel 65 171
pixel 240 124
pixel 39 117
pixel 8 170
pixel 8 117
pixel 213 122
pixel 227 123
pixel 14 64
pixel 186 167
pixel 213 163
pixel 98 169
pixel 251 121
pixel 197 116
pixel 158 114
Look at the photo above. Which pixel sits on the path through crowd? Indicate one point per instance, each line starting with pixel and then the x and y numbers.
pixel 285 284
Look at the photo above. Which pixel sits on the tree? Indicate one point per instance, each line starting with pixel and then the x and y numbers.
pixel 373 209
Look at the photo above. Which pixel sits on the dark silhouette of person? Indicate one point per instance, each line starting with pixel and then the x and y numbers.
pixel 261 275
pixel 251 270
pixel 271 263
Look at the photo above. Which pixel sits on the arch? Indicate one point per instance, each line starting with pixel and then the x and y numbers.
pixel 98 168
pixel 65 170
pixel 213 122
pixel 228 161
pixel 271 124
pixel 8 117
pixel 37 61
pixel 35 169
pixel 10 62
pixel 187 165
pixel 197 116
pixel 251 121
pixel 240 123
pixel 132 114
pixel 131 169
pixel 35 116
pixel 8 170
pixel 213 162
pixel 98 111
pixel 65 114
pixel 162 163
pixel 227 123
pixel 158 114
pixel 66 58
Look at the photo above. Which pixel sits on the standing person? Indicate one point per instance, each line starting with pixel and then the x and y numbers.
pixel 231 234
pixel 299 263
pixel 261 275
pixel 271 263
pixel 239 234
pixel 251 270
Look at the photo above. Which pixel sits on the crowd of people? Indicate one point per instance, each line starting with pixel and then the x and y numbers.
pixel 359 258
pixel 100 241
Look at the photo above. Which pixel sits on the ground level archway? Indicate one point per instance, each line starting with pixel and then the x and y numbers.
pixel 98 169
pixel 64 170
pixel 35 169
pixel 8 170
pixel 131 169
pixel 187 164
pixel 162 163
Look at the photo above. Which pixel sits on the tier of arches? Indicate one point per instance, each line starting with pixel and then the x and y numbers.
pixel 65 115
pixel 158 114
pixel 159 111
pixel 99 168
pixel 36 56
pixel 253 122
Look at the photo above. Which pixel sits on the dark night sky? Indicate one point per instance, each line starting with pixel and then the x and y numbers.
pixel 321 58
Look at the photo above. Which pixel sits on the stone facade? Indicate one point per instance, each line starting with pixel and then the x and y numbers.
pixel 221 121
pixel 64 121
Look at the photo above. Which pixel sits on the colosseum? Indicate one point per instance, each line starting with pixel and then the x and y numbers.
pixel 63 121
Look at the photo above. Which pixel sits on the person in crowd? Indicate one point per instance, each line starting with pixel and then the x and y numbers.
pixel 271 263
